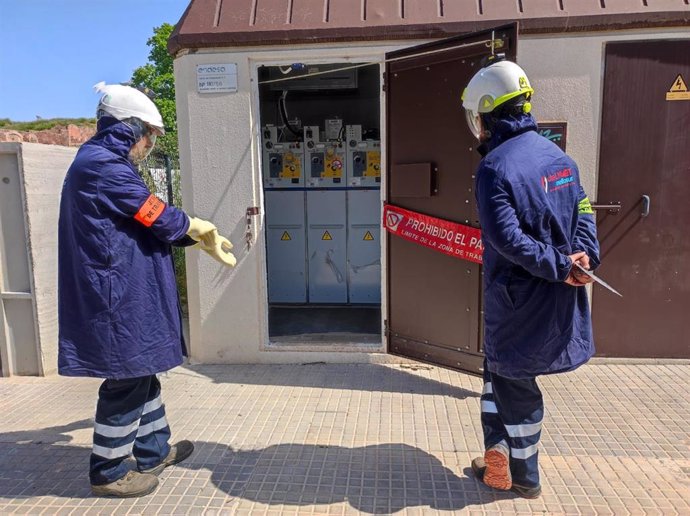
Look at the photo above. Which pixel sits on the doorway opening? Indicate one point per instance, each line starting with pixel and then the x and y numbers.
pixel 321 174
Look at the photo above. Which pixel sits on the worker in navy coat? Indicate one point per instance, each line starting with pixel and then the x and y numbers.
pixel 536 223
pixel 119 311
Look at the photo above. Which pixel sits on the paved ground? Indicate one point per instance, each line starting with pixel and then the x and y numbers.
pixel 348 439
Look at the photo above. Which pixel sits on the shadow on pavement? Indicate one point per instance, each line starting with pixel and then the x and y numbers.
pixel 377 479
pixel 35 463
pixel 359 377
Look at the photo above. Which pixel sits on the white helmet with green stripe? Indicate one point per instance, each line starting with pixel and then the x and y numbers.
pixel 492 87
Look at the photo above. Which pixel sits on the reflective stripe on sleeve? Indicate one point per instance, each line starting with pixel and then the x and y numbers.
pixel 584 207
pixel 488 388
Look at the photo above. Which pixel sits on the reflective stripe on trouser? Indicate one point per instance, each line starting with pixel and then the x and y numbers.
pixel 130 418
pixel 512 411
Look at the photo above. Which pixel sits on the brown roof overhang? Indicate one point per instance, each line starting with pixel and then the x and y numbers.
pixel 237 23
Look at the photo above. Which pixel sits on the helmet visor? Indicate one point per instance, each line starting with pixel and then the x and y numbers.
pixel 474 122
pixel 150 143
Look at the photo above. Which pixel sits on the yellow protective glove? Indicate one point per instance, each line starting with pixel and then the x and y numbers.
pixel 201 231
pixel 218 247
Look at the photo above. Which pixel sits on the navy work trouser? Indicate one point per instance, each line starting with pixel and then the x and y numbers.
pixel 512 412
pixel 130 420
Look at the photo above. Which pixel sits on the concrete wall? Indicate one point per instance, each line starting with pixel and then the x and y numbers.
pixel 33 231
pixel 221 175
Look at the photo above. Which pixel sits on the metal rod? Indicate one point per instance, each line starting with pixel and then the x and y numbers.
pixel 615 207
pixel 492 43
pixel 168 178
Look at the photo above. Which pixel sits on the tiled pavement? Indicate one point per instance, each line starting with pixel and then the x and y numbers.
pixel 349 439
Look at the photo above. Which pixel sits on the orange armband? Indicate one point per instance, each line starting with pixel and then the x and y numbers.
pixel 150 211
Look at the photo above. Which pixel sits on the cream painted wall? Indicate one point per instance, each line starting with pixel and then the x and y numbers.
pixel 221 177
pixel 567 73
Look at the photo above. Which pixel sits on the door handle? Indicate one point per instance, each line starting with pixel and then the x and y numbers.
pixel 646 201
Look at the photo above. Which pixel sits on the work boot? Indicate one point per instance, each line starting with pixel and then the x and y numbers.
pixel 133 484
pixel 526 492
pixel 497 474
pixel 178 452
pixel 479 469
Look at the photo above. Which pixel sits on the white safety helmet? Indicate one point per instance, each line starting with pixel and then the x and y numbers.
pixel 490 88
pixel 123 102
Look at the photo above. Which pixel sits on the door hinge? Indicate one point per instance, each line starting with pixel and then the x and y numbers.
pixel 383 82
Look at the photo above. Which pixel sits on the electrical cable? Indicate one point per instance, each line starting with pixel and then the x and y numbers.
pixel 284 115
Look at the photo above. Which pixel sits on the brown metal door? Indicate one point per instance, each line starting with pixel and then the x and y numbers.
pixel 434 300
pixel 644 152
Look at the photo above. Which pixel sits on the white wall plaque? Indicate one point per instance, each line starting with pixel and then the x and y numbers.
pixel 216 78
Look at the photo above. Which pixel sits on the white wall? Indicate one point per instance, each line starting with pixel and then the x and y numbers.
pixel 45 167
pixel 42 170
pixel 567 74
pixel 221 176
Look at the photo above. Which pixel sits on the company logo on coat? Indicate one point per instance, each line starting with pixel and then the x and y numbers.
pixel 557 180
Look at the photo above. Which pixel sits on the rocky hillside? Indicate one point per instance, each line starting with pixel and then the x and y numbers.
pixel 62 131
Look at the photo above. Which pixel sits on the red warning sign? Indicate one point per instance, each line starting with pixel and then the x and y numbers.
pixel 447 237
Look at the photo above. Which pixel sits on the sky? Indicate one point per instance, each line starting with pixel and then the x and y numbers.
pixel 54 51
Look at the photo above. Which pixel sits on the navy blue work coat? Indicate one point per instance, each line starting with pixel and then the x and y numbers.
pixel 533 213
pixel 119 312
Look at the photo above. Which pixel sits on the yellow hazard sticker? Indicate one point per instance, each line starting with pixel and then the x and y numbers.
pixel 286 236
pixel 326 236
pixel 373 164
pixel 368 236
pixel 678 90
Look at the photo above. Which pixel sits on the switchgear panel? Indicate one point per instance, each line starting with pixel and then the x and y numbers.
pixel 322 197
pixel 363 159
pixel 324 161
pixel 283 162
pixel 364 246
pixel 286 246
pixel 327 246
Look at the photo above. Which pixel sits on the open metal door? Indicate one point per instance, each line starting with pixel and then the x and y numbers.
pixel 434 300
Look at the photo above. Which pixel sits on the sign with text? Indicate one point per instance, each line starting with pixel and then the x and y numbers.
pixel 216 78
pixel 447 237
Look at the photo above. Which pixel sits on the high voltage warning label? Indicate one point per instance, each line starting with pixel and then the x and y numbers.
pixel 286 236
pixel 679 90
pixel 368 236
pixel 326 236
